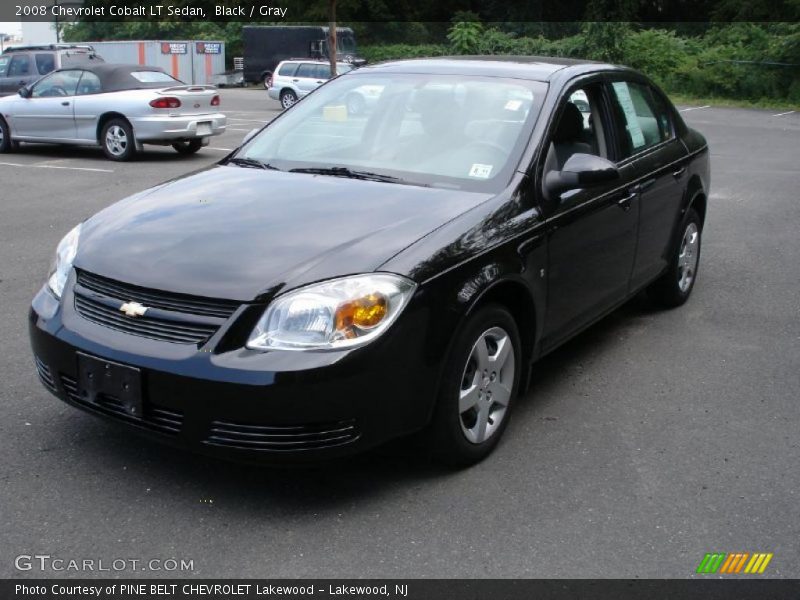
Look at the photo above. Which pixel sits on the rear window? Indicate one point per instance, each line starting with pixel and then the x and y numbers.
pixel 153 77
pixel 287 70
pixel 45 63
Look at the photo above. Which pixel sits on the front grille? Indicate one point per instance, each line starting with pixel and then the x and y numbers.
pixel 45 375
pixel 182 303
pixel 157 418
pixel 170 317
pixel 282 437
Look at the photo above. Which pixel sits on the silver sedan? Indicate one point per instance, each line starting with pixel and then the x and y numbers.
pixel 118 107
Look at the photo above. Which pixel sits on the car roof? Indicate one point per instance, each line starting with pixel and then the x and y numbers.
pixel 535 68
pixel 117 77
pixel 49 48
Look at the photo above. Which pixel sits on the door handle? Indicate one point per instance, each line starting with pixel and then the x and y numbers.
pixel 625 202
pixel 65 103
pixel 295 80
pixel 679 173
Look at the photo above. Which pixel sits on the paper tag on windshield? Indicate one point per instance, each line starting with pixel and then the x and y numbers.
pixel 513 104
pixel 480 171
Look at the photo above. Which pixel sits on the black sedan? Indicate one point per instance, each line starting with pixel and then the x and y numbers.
pixel 344 279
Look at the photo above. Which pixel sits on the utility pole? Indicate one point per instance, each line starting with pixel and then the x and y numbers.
pixel 332 36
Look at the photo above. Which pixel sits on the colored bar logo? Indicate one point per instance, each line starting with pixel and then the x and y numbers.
pixel 735 562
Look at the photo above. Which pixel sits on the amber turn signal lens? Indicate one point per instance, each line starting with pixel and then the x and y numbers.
pixel 365 312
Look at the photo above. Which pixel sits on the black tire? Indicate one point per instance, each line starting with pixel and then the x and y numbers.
pixel 356 104
pixel 125 146
pixel 265 80
pixel 446 436
pixel 671 289
pixel 6 143
pixel 188 146
pixel 288 99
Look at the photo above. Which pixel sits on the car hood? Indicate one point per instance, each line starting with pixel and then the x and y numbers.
pixel 239 233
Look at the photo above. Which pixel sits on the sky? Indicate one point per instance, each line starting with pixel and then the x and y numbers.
pixel 10 27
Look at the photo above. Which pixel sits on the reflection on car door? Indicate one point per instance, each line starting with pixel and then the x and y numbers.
pixel 89 105
pixel 591 233
pixel 650 149
pixel 48 113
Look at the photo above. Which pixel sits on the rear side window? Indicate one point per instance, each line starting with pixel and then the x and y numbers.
pixel 306 70
pixel 20 65
pixel 287 70
pixel 644 116
pixel 45 63
pixel 89 84
pixel 4 60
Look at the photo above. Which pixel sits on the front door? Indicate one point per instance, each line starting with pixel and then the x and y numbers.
pixel 591 232
pixel 48 113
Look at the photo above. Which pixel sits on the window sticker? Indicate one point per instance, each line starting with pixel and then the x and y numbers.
pixel 480 171
pixel 626 102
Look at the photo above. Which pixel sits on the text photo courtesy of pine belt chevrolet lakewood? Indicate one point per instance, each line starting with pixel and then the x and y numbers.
pixel 342 280
pixel 118 107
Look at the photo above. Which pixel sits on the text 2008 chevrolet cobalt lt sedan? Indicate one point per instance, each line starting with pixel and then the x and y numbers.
pixel 341 280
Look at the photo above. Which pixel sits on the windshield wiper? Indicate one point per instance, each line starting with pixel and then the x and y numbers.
pixel 349 173
pixel 251 163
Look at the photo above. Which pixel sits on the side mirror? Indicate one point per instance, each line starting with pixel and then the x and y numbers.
pixel 24 92
pixel 580 171
pixel 250 135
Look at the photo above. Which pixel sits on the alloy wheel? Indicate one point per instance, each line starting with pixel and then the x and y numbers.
pixel 116 140
pixel 486 385
pixel 688 257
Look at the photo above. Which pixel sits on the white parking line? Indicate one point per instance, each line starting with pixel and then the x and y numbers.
pixel 786 113
pixel 234 129
pixel 220 149
pixel 248 120
pixel 694 108
pixel 8 164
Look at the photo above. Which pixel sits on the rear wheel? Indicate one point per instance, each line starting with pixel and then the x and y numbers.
pixel 117 140
pixel 188 146
pixel 265 80
pixel 675 285
pixel 480 383
pixel 288 98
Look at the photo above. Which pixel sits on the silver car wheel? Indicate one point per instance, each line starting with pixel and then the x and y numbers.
pixel 2 136
pixel 688 257
pixel 116 140
pixel 287 100
pixel 486 385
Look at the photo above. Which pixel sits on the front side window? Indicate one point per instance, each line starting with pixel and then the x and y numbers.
pixel 322 72
pixel 455 131
pixel 20 65
pixel 89 84
pixel 4 60
pixel 45 63
pixel 644 117
pixel 58 84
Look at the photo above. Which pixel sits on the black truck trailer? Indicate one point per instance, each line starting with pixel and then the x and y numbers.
pixel 266 46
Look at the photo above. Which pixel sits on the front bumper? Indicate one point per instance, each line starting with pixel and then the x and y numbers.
pixel 165 127
pixel 275 407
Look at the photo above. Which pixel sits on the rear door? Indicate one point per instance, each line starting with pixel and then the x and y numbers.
pixel 48 113
pixel 306 77
pixel 19 73
pixel 649 148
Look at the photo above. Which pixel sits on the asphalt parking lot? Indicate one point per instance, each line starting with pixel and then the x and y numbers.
pixel 649 440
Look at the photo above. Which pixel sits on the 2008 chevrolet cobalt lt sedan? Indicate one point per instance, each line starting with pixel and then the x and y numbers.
pixel 344 279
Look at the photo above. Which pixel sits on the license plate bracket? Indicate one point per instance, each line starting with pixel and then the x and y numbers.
pixel 204 128
pixel 98 377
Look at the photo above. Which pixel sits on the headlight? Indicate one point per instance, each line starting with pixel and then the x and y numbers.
pixel 65 254
pixel 340 313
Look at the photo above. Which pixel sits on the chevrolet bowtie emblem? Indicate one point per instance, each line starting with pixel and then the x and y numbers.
pixel 133 309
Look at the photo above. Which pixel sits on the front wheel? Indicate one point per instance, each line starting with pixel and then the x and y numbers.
pixel 117 140
pixel 6 143
pixel 188 146
pixel 675 285
pixel 480 383
pixel 288 98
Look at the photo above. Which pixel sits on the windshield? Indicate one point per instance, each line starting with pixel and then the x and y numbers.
pixel 454 131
